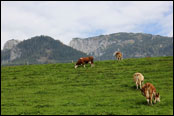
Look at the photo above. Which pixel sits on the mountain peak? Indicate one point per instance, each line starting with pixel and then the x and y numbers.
pixel 10 44
pixel 39 50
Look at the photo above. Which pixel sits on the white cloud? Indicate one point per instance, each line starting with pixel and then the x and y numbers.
pixel 66 20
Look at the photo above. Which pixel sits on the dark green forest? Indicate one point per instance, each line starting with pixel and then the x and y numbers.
pixel 43 49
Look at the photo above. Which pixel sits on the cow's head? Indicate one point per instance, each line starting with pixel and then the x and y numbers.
pixel 142 91
pixel 75 66
pixel 90 62
pixel 157 98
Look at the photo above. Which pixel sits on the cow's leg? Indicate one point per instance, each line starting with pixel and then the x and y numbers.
pixel 137 84
pixel 151 99
pixel 154 100
pixel 140 84
pixel 83 63
pixel 147 100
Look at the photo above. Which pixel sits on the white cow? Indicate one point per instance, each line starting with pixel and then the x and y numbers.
pixel 138 79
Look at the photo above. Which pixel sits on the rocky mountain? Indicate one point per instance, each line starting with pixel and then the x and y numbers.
pixel 130 44
pixel 10 44
pixel 39 50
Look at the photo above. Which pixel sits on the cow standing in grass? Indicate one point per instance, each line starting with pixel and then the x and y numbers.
pixel 85 60
pixel 118 55
pixel 138 79
pixel 149 91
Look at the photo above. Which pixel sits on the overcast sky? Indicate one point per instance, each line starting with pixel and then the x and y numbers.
pixel 64 20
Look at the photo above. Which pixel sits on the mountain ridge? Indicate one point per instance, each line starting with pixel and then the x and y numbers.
pixel 44 49
pixel 131 44
pixel 39 50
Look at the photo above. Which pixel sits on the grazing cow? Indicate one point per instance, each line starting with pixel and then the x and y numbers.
pixel 118 55
pixel 138 79
pixel 149 91
pixel 85 60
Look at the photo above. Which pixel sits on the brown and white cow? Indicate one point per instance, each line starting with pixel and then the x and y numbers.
pixel 118 55
pixel 85 60
pixel 138 79
pixel 149 91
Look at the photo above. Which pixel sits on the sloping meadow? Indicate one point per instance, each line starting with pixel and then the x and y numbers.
pixel 106 89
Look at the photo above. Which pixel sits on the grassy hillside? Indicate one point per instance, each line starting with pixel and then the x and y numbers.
pixel 105 89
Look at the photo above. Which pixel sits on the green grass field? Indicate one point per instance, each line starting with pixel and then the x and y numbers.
pixel 106 89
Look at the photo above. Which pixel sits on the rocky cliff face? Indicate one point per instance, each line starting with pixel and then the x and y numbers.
pixel 10 52
pixel 97 45
pixel 15 53
pixel 10 44
pixel 131 44
pixel 93 45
